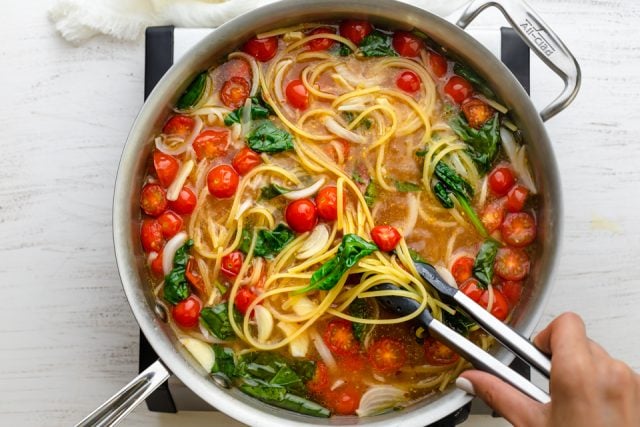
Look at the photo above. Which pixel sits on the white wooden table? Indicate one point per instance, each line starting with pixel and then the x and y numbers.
pixel 67 336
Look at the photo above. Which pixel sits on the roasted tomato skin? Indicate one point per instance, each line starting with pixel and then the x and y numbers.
pixel 476 111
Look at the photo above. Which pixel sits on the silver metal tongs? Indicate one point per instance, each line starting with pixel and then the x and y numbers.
pixel 479 358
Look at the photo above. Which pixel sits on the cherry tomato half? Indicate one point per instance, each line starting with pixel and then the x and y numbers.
pixel 516 198
pixel 179 125
pixel 301 215
pixel 501 180
pixel 193 277
pixel 151 235
pixel 297 94
pixel 321 44
pixel 185 203
pixel 408 81
pixel 261 49
pixel 406 44
pixel 171 224
pixel 462 269
pixel 471 288
pixel 476 111
pixel 493 214
pixel 166 167
pixel 245 160
pixel 236 68
pixel 222 181
pixel 518 229
pixel 385 237
pixel 187 312
pixel 234 92
pixel 499 307
pixel 352 363
pixel 387 355
pixel 153 199
pixel 211 143
pixel 512 264
pixel 355 30
pixel 512 291
pixel 438 64
pixel 327 203
pixel 320 381
pixel 340 339
pixel 458 89
pixel 438 354
pixel 244 298
pixel 156 265
pixel 344 400
pixel 232 263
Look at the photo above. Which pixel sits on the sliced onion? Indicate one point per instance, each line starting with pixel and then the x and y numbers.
pixel 298 347
pixel 324 351
pixel 162 143
pixel 181 177
pixel 264 322
pixel 246 116
pixel 200 351
pixel 303 306
pixel 336 129
pixel 378 399
pixel 243 207
pixel 493 103
pixel 412 215
pixel 446 275
pixel 518 158
pixel 314 243
pixel 152 256
pixel 277 81
pixel 355 80
pixel 169 251
pixel 255 76
pixel 337 384
pixel 305 192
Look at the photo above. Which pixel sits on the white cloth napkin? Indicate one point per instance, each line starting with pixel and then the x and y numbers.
pixel 79 20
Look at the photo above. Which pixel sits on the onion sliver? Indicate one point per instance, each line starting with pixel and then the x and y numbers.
pixel 181 177
pixel 305 192
pixel 335 128
pixel 246 116
pixel 200 351
pixel 243 207
pixel 324 351
pixel 169 251
pixel 446 275
pixel 379 399
pixel 299 347
pixel 314 243
pixel 412 215
pixel 264 322
pixel 518 159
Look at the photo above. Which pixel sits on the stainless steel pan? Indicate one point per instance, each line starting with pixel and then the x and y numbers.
pixel 387 13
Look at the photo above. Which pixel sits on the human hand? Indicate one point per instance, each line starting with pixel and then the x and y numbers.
pixel 588 387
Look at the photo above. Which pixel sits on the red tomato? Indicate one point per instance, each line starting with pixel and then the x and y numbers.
pixel 232 263
pixel 462 269
pixel 236 68
pixel 179 125
pixel 156 265
pixel 408 81
pixel 518 229
pixel 500 306
pixel 516 198
pixel 193 277
pixel 321 44
pixel 327 203
pixel 458 89
pixel 501 180
pixel 211 143
pixel 344 400
pixel 406 44
pixel 301 215
pixel 297 94
pixel 244 298
pixel 438 354
pixel 153 199
pixel 234 92
pixel 385 237
pixel 471 288
pixel 262 49
pixel 438 64
pixel 166 167
pixel 340 339
pixel 222 181
pixel 512 291
pixel 493 214
pixel 387 355
pixel 355 30
pixel 512 264
pixel 352 363
pixel 185 203
pixel 151 235
pixel 320 381
pixel 171 224
pixel 245 160
pixel 187 312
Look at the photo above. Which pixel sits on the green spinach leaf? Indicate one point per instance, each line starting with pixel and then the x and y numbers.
pixel 278 396
pixel 176 287
pixel 458 322
pixel 371 193
pixel 360 308
pixel 259 110
pixel 452 180
pixel 216 320
pixel 377 44
pixel 272 191
pixel 482 143
pixel 475 79
pixel 268 242
pixel 225 360
pixel 193 93
pixel 267 138
pixel 483 265
pixel 415 256
pixel 407 187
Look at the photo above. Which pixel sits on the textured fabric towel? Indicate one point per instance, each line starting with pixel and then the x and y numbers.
pixel 79 20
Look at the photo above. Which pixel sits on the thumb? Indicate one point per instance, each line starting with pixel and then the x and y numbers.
pixel 518 409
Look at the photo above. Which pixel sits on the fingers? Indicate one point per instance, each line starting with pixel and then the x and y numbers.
pixel 517 408
pixel 565 334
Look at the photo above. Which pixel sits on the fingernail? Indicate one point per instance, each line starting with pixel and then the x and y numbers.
pixel 465 385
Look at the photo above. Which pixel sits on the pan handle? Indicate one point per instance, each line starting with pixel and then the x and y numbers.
pixel 541 39
pixel 124 401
